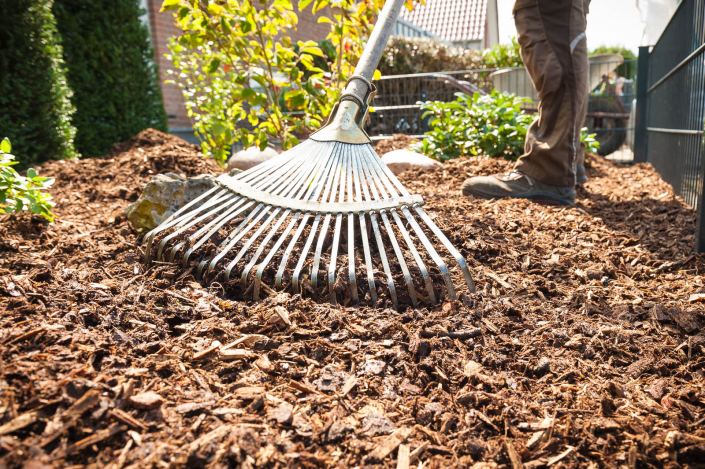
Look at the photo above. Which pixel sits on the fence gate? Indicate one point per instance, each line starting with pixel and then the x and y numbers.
pixel 671 107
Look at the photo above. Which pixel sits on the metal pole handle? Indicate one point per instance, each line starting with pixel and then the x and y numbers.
pixel 375 47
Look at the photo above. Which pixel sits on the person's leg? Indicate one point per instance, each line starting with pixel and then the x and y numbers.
pixel 549 33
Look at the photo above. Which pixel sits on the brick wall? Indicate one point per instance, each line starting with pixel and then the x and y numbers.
pixel 163 27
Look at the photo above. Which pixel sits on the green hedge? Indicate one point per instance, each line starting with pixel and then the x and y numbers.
pixel 108 55
pixel 424 55
pixel 35 109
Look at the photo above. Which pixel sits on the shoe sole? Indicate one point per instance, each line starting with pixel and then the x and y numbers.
pixel 543 198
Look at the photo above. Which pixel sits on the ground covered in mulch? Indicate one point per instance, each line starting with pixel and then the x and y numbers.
pixel 583 346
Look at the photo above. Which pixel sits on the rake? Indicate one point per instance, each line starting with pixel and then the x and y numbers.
pixel 286 207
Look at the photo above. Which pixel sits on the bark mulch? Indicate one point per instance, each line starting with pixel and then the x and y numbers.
pixel 582 348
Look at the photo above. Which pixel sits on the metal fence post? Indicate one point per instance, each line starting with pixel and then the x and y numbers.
pixel 642 86
pixel 700 212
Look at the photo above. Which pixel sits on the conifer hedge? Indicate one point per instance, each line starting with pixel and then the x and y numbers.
pixel 35 106
pixel 110 65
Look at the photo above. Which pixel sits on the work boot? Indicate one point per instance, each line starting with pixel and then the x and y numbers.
pixel 517 185
pixel 580 176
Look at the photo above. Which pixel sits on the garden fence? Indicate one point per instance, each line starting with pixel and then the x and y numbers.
pixel 398 108
pixel 670 113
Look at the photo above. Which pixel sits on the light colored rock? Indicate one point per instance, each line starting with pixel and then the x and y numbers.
pixel 146 400
pixel 401 160
pixel 246 159
pixel 163 195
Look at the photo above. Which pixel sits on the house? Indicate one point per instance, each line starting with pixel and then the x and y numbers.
pixel 472 24
pixel 466 23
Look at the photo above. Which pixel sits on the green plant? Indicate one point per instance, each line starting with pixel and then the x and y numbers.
pixel 492 125
pixel 19 193
pixel 503 55
pixel 235 62
pixel 591 143
pixel 111 71
pixel 35 109
pixel 404 55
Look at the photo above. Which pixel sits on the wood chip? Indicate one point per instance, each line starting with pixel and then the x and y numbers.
pixel 349 385
pixel 403 457
pixel 513 455
pixel 128 419
pixel 19 422
pixel 565 453
pixel 91 440
pixel 388 445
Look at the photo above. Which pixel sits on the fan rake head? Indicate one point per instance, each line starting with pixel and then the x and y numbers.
pixel 303 210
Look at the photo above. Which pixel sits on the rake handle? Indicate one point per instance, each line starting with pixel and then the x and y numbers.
pixel 375 47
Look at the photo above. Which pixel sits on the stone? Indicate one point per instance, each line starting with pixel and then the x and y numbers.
pixel 163 195
pixel 282 414
pixel 373 367
pixel 146 400
pixel 246 159
pixel 401 160
pixel 375 424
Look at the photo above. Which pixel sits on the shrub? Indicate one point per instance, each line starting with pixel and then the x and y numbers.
pixel 492 125
pixel 503 55
pixel 19 193
pixel 425 55
pixel 35 110
pixel 108 55
pixel 235 62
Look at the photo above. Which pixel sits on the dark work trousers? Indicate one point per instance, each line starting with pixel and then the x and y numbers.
pixel 551 35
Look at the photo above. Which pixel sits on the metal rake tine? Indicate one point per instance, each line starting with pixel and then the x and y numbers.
pixel 185 224
pixel 258 213
pixel 374 178
pixel 252 219
pixel 322 168
pixel 312 194
pixel 326 222
pixel 296 186
pixel 448 245
pixel 252 238
pixel 179 214
pixel 214 226
pixel 363 235
pixel 338 221
pixel 275 248
pixel 432 251
pixel 224 218
pixel 351 238
pixel 314 227
pixel 378 236
pixel 308 186
pixel 405 234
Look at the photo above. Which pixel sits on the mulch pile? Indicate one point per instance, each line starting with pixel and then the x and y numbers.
pixel 582 348
pixel 398 142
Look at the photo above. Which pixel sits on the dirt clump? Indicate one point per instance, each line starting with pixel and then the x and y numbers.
pixel 583 346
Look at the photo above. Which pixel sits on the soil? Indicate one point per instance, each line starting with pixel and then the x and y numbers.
pixel 583 346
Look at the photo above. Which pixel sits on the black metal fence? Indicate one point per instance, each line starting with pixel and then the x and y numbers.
pixel 671 107
pixel 397 108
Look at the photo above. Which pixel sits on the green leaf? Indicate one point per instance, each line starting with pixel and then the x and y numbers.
pixel 5 145
pixel 213 66
pixel 170 5
pixel 303 4
pixel 218 128
pixel 31 173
